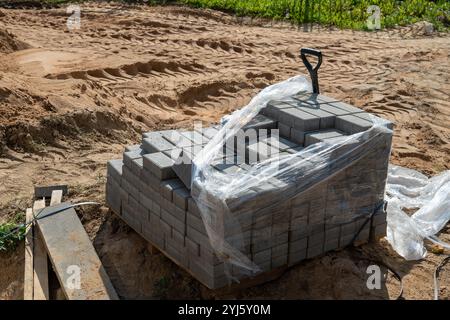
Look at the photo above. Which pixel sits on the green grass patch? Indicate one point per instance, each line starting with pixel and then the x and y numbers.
pixel 341 13
pixel 12 232
pixel 347 14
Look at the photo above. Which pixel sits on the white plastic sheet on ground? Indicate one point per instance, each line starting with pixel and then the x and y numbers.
pixel 214 191
pixel 409 189
pixel 216 194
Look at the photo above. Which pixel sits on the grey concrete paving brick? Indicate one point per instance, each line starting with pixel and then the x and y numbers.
pixel 156 143
pixel 179 256
pixel 298 231
pixel 352 124
pixel 257 151
pixel 296 256
pixel 113 199
pixel 178 239
pixel 183 167
pixel 280 250
pixel 334 110
pixel 298 136
pixel 123 195
pixel 180 198
pixel 133 179
pixel 298 244
pixel 379 218
pixel 172 221
pixel 207 255
pixel 332 233
pixel 315 251
pixel 215 270
pixel 280 226
pixel 348 229
pixel 260 122
pixel 299 119
pixel 327 120
pixel 228 168
pixel 129 188
pixel 167 187
pixel 166 228
pixel 150 180
pixel 197 236
pixel 314 99
pixel 330 245
pixel 193 248
pixel 195 222
pixel 279 261
pixel 147 190
pixel 137 166
pixel 156 207
pixel 299 210
pixel 280 143
pixel 316 215
pixel 273 107
pixel 133 147
pixel 366 116
pixel 177 139
pixel 268 242
pixel 195 137
pixel 209 132
pixel 285 130
pixel 145 201
pixel 157 231
pixel 130 217
pixel 345 106
pixel 114 169
pixel 139 210
pixel 131 155
pixel 147 232
pixel 150 134
pixel 178 213
pixel 262 256
pixel 316 239
pixel 193 208
pixel 160 165
pixel 265 266
pixel 323 135
pixel 210 280
pixel 314 228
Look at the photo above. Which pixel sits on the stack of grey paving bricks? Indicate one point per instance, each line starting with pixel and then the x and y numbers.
pixel 151 191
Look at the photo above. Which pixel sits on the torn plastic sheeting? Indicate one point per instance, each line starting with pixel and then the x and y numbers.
pixel 409 189
pixel 215 192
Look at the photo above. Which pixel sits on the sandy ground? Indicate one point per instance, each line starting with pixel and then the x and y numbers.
pixel 71 100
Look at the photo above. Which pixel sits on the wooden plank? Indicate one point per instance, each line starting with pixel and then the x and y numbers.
pixel 28 277
pixel 56 197
pixel 72 254
pixel 40 279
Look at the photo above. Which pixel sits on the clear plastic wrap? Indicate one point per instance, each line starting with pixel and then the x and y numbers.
pixel 225 200
pixel 409 189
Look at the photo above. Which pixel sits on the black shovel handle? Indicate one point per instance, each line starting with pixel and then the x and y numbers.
pixel 312 70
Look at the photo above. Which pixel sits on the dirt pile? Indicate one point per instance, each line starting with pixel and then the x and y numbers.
pixel 10 43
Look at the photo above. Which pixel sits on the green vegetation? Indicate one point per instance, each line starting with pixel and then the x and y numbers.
pixel 341 13
pixel 350 14
pixel 12 232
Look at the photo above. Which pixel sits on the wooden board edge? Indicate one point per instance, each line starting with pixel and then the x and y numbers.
pixel 40 278
pixel 28 282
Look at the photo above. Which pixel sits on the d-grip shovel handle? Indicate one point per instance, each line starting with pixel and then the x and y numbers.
pixel 312 71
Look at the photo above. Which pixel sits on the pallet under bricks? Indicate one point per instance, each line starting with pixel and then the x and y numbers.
pixel 151 190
